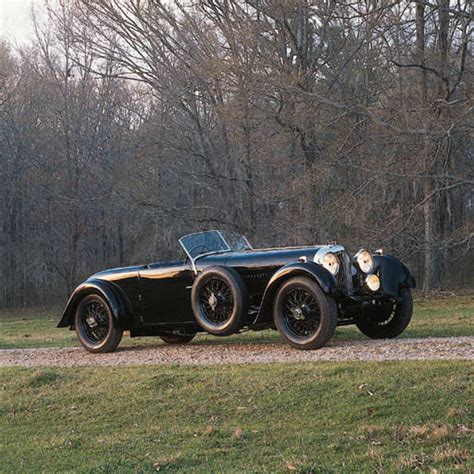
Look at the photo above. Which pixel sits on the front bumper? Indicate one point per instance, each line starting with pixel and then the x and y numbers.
pixel 349 306
pixel 370 300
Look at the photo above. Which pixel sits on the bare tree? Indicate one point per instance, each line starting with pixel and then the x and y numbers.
pixel 127 123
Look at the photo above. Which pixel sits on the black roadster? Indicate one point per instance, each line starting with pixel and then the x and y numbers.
pixel 223 286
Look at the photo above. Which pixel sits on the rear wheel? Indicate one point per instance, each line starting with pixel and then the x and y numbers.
pixel 95 326
pixel 305 316
pixel 177 338
pixel 219 300
pixel 387 320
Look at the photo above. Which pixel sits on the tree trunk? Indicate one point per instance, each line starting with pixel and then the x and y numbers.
pixel 431 249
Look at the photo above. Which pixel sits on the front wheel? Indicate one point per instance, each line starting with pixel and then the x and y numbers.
pixel 305 316
pixel 219 300
pixel 95 326
pixel 387 320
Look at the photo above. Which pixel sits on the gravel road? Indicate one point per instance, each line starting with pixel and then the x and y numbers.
pixel 440 348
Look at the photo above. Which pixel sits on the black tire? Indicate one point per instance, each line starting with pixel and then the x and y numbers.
pixel 388 320
pixel 95 325
pixel 177 338
pixel 219 300
pixel 305 316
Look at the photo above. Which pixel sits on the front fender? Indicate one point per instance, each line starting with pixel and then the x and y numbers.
pixel 393 274
pixel 309 269
pixel 103 288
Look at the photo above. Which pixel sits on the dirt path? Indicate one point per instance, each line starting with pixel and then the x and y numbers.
pixel 441 348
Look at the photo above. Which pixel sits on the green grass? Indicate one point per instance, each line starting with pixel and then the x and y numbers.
pixel 448 316
pixel 322 417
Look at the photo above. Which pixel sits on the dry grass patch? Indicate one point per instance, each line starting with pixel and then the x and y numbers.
pixel 451 453
pixel 454 412
pixel 414 461
pixel 372 433
pixel 451 456
pixel 440 432
pixel 166 462
pixel 435 431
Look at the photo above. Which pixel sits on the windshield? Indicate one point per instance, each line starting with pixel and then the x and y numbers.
pixel 213 241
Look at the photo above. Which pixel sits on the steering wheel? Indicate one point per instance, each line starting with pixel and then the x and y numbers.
pixel 204 247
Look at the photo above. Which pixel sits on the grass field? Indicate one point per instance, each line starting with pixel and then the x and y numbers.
pixel 302 418
pixel 448 316
pixel 323 417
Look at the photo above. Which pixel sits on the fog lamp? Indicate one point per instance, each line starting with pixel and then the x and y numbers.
pixel 372 282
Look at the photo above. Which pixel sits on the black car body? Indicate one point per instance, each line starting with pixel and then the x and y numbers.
pixel 168 300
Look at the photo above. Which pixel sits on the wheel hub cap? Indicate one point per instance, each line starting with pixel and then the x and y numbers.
pixel 298 314
pixel 216 301
pixel 212 301
pixel 92 323
pixel 301 313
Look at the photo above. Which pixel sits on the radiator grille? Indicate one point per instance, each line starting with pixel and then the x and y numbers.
pixel 344 276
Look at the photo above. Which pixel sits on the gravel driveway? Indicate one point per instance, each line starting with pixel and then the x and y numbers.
pixel 440 348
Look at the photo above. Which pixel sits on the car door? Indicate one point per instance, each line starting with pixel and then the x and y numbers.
pixel 166 293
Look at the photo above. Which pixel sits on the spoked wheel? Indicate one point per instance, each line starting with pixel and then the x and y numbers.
pixel 216 301
pixel 303 314
pixel 219 301
pixel 176 338
pixel 387 320
pixel 95 326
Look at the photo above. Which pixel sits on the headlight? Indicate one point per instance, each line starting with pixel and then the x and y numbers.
pixel 326 257
pixel 364 260
pixel 330 262
pixel 372 282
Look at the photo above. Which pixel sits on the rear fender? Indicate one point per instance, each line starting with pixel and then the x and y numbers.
pixel 112 294
pixel 393 274
pixel 308 269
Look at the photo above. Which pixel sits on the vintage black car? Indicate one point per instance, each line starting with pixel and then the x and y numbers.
pixel 223 286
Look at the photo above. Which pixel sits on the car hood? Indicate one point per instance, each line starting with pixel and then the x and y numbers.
pixel 117 273
pixel 273 257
